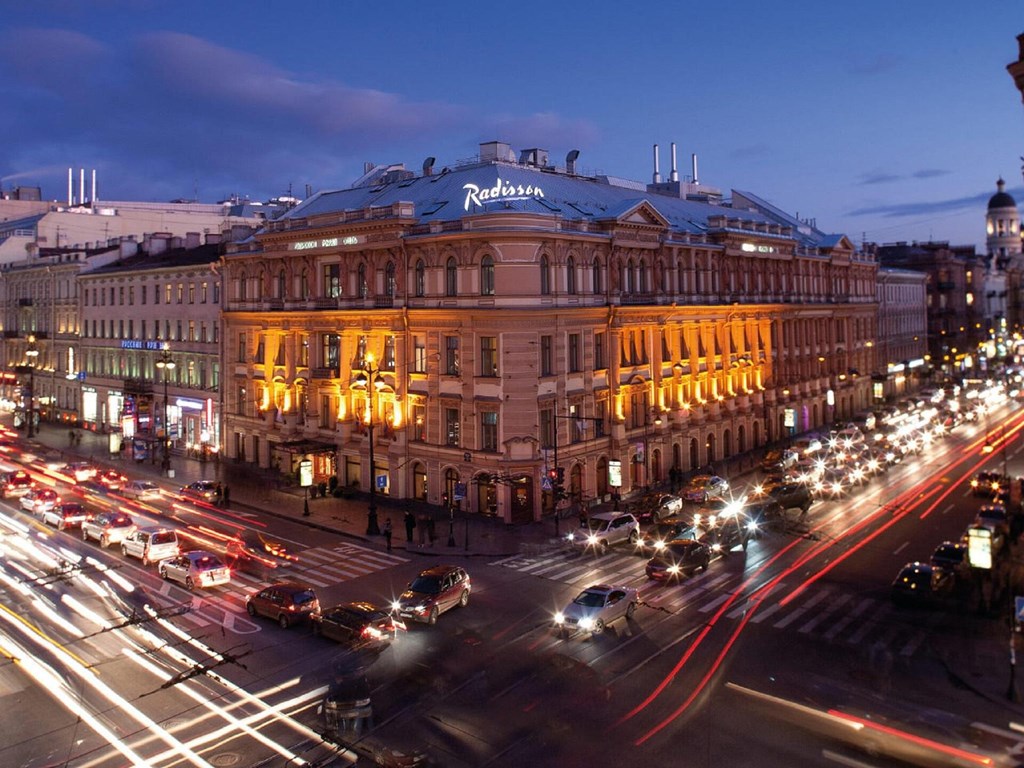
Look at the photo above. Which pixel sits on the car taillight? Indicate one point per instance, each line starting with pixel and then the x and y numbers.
pixel 372 633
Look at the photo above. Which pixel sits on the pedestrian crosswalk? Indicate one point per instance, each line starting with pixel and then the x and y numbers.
pixel 821 611
pixel 321 567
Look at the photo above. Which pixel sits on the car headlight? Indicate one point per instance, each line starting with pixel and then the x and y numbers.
pixel 586 623
pixel 396 605
pixel 591 539
pixel 711 521
pixel 752 526
pixel 673 569
pixel 570 537
pixel 696 520
pixel 659 545
pixel 559 617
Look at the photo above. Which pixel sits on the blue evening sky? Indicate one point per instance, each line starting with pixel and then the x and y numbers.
pixel 879 119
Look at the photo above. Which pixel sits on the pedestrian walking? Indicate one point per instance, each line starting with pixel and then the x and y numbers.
pixel 218 495
pixel 387 533
pixel 410 523
pixel 225 495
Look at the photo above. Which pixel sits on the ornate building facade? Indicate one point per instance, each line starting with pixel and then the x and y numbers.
pixel 490 323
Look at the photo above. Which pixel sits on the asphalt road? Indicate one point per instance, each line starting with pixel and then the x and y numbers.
pixel 789 653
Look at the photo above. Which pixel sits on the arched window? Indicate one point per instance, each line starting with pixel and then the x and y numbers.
pixel 641 281
pixel 243 287
pixel 304 284
pixel 570 275
pixel 597 285
pixel 487 276
pixel 282 285
pixel 362 289
pixel 419 482
pixel 545 276
pixel 421 278
pixel 389 280
pixel 629 285
pixel 451 277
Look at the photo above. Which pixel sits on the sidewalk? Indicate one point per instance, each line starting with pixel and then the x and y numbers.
pixel 461 535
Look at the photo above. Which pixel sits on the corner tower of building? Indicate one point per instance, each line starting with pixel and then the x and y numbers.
pixel 1002 226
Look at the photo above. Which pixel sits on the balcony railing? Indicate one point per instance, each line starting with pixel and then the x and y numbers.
pixel 324 373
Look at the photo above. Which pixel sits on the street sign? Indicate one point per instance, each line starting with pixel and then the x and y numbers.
pixel 1018 608
pixel 545 483
pixel 460 491
pixel 305 473
pixel 382 482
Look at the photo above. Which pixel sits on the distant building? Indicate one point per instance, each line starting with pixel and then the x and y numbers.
pixel 957 326
pixel 902 342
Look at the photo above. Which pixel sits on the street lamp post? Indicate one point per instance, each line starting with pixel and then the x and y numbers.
pixel 647 450
pixel 166 364
pixel 31 353
pixel 371 380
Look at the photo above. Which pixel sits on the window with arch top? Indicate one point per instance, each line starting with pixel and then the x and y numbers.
pixel 545 276
pixel 487 275
pixel 451 277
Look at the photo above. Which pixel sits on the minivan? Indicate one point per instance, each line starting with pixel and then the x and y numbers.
pixel 151 544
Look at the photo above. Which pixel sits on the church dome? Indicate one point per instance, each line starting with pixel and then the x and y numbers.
pixel 1001 199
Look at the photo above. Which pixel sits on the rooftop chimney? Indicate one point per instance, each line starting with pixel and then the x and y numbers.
pixel 657 173
pixel 675 173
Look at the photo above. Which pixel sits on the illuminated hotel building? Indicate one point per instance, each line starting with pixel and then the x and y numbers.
pixel 499 318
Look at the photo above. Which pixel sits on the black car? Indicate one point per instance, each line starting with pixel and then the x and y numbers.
pixel 918 585
pixel 988 483
pixel 951 555
pixel 792 495
pixel 681 557
pixel 660 534
pixel 731 531
pixel 357 624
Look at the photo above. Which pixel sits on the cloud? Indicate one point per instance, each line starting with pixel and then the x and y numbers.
pixel 876 64
pixel 751 150
pixel 929 173
pixel 879 178
pixel 898 210
pixel 162 114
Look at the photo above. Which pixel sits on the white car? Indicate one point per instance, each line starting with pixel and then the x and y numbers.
pixel 141 490
pixel 197 568
pixel 65 514
pixel 39 500
pixel 596 607
pixel 107 528
pixel 605 529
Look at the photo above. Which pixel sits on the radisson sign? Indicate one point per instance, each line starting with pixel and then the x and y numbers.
pixel 501 191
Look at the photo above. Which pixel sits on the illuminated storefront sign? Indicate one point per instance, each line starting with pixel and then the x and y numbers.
pixel 189 405
pixel 324 242
pixel 135 344
pixel 501 191
pixel 754 248
pixel 615 473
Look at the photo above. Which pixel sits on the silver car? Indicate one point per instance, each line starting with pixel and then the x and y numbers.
pixel 605 529
pixel 195 569
pixel 595 608
pixel 141 490
pixel 107 528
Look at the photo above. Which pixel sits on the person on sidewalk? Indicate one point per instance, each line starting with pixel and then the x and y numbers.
pixel 387 533
pixel 410 523
pixel 218 495
pixel 225 496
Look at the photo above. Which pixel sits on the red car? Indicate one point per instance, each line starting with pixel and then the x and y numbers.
pixel 433 592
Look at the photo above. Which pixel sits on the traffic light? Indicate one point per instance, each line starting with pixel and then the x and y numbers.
pixel 560 475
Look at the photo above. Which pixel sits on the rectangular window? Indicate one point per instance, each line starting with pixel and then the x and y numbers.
pixel 599 359
pixel 546 355
pixel 204 295
pixel 167 293
pixel 388 363
pixel 419 422
pixel 303 360
pixel 216 293
pixel 191 293
pixel 332 281
pixel 330 354
pixel 143 292
pixel 241 400
pixel 131 295
pixel 601 414
pixel 131 328
pixel 547 428
pixel 489 431
pixel 326 417
pixel 120 296
pixel 179 337
pixel 451 426
pixel 181 293
pixel 451 355
pixel 202 333
pixel 488 355
pixel 216 333
pixel 191 330
pixel 260 355
pixel 573 353
pixel 156 293
pixel 419 354
pixel 279 357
